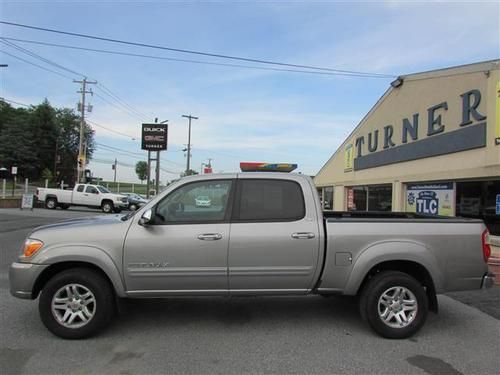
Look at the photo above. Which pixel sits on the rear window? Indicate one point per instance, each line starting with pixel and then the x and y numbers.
pixel 80 188
pixel 269 200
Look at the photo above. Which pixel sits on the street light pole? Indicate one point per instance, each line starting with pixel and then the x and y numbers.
pixel 189 141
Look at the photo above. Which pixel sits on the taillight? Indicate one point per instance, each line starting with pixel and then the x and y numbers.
pixel 486 245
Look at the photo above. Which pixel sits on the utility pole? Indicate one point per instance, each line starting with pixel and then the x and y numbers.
pixel 189 141
pixel 157 174
pixel 83 91
pixel 114 168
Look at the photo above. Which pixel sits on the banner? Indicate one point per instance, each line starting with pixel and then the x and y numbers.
pixel 431 199
pixel 348 158
pixel 497 122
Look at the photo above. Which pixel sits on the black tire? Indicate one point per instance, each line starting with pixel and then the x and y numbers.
pixel 51 203
pixel 107 207
pixel 132 207
pixel 371 304
pixel 103 309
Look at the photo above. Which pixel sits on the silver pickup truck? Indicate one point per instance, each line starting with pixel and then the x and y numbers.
pixel 263 234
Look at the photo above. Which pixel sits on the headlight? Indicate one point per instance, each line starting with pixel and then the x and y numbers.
pixel 31 246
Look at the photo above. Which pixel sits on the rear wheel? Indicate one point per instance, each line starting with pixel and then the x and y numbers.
pixel 51 203
pixel 107 207
pixel 76 303
pixel 394 304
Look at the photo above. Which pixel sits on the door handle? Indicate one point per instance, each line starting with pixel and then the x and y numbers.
pixel 210 236
pixel 303 235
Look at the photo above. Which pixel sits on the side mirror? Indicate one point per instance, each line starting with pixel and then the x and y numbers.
pixel 146 217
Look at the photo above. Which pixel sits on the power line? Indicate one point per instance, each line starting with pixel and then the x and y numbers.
pixel 192 61
pixel 133 138
pixel 37 56
pixel 119 149
pixel 105 90
pixel 38 66
pixel 110 93
pixel 13 102
pixel 222 56
pixel 119 108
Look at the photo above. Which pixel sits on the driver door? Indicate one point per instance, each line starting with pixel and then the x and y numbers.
pixel 184 248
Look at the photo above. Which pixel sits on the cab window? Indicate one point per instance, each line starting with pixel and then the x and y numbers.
pixel 91 189
pixel 198 202
pixel 269 201
pixel 80 188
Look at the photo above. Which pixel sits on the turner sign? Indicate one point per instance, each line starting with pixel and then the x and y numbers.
pixel 154 137
pixel 422 135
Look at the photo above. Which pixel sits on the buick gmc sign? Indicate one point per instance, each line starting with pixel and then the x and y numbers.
pixel 154 137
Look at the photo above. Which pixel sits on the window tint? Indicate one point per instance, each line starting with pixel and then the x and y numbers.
pixel 270 200
pixel 80 188
pixel 102 189
pixel 91 189
pixel 199 202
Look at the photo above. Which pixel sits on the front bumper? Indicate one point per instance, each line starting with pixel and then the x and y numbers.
pixel 488 280
pixel 22 278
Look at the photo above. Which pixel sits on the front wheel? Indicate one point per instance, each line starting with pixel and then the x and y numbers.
pixel 76 303
pixel 394 304
pixel 132 207
pixel 51 203
pixel 107 207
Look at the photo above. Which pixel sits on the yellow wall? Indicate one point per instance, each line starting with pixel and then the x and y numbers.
pixel 416 95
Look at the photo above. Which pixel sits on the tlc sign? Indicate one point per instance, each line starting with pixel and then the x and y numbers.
pixel 154 137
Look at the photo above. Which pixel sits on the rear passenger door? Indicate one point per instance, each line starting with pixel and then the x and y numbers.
pixel 79 194
pixel 274 244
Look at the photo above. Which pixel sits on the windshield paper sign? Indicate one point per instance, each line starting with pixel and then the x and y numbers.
pixel 431 199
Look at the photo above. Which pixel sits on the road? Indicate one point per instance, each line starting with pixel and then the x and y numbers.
pixel 235 335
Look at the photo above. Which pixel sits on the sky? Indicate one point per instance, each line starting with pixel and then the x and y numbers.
pixel 244 114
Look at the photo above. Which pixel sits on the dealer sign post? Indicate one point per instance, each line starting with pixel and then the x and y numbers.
pixel 154 138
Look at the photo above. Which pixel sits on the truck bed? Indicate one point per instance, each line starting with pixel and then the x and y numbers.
pixel 391 216
pixel 448 247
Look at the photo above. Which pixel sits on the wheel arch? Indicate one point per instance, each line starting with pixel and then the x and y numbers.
pixel 104 200
pixel 412 268
pixel 55 268
pixel 406 256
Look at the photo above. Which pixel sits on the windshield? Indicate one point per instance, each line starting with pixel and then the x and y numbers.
pixel 102 189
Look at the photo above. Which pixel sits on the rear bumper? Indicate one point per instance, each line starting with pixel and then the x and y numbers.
pixel 488 280
pixel 22 278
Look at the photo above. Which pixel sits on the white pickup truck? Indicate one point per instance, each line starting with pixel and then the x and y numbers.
pixel 95 196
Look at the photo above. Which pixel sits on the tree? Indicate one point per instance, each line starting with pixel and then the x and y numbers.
pixel 68 143
pixel 18 148
pixel 44 129
pixel 42 137
pixel 47 174
pixel 141 168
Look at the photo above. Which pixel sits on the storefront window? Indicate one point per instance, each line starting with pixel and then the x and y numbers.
pixel 369 198
pixel 380 198
pixel 477 199
pixel 326 197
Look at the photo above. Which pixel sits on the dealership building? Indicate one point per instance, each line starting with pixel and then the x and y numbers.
pixel 431 144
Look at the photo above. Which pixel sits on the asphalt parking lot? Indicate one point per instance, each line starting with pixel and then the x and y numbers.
pixel 311 335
